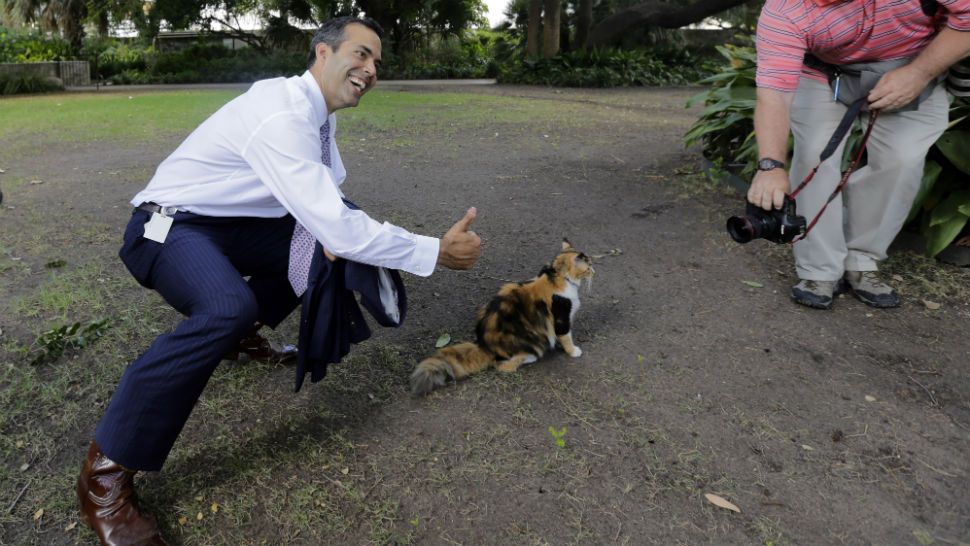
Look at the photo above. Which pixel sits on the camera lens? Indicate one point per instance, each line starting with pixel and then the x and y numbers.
pixel 741 229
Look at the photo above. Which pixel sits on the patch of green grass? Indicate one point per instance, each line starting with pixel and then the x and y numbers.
pixel 769 531
pixel 144 116
pixel 118 117
pixel 81 293
pixel 385 110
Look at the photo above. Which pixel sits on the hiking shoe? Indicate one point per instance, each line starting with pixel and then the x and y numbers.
pixel 817 294
pixel 870 290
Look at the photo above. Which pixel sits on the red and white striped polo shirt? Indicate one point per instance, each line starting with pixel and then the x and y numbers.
pixel 847 31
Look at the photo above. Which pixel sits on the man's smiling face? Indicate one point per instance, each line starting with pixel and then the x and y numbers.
pixel 346 74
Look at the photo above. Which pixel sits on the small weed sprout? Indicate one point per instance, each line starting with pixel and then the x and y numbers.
pixel 558 435
pixel 51 344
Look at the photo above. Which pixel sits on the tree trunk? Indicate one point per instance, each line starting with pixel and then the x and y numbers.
pixel 103 23
pixel 654 13
pixel 564 27
pixel 535 25
pixel 73 25
pixel 550 28
pixel 584 19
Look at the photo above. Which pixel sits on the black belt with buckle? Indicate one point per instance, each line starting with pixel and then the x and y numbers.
pixel 156 208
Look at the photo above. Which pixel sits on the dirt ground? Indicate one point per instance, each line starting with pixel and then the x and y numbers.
pixel 699 375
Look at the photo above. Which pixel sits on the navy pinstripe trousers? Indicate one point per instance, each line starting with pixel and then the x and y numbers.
pixel 199 271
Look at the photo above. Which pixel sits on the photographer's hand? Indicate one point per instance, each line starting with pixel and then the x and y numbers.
pixel 897 88
pixel 768 188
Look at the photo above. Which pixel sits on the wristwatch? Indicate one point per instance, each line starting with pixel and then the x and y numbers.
pixel 767 164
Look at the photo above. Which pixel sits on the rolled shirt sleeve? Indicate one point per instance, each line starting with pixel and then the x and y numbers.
pixel 958 14
pixel 284 153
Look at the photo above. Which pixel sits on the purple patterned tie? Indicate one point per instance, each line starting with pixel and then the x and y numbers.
pixel 301 246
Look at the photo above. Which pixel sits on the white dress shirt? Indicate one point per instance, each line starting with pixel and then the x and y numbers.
pixel 259 156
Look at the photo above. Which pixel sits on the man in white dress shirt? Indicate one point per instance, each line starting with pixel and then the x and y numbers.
pixel 261 174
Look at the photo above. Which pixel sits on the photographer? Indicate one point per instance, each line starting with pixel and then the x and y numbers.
pixel 902 47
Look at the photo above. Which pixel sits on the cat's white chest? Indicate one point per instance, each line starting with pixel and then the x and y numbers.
pixel 572 292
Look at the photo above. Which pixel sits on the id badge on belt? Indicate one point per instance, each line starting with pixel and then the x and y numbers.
pixel 156 228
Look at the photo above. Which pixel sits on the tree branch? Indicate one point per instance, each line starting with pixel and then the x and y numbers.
pixel 657 14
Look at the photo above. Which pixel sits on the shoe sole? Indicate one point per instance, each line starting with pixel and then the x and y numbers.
pixel 812 304
pixel 845 288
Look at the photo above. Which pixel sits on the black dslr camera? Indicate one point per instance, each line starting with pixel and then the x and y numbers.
pixel 777 226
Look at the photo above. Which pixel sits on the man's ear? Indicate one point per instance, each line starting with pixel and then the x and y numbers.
pixel 322 50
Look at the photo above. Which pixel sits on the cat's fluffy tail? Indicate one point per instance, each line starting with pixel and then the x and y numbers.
pixel 454 362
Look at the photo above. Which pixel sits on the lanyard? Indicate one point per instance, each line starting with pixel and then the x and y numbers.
pixel 840 132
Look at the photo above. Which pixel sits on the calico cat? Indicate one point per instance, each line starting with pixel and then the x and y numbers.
pixel 517 327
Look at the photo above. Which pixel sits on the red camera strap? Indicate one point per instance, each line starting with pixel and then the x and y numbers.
pixel 840 132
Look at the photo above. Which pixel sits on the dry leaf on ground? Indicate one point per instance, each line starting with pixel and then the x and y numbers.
pixel 931 305
pixel 719 501
pixel 38 514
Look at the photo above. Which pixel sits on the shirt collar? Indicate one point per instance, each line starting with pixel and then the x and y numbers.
pixel 316 98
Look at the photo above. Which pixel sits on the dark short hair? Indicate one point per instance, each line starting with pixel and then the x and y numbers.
pixel 332 34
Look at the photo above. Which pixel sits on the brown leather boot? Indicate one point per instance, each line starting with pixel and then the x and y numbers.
pixel 108 505
pixel 258 348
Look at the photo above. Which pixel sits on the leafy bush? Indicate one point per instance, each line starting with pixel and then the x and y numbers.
pixel 942 206
pixel 725 129
pixel 200 63
pixel 22 47
pixel 110 57
pixel 28 83
pixel 600 68
pixel 725 132
pixel 470 56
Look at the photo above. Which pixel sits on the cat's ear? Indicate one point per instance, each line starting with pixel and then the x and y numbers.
pixel 566 244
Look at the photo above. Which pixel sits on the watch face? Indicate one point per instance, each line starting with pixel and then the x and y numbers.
pixel 768 164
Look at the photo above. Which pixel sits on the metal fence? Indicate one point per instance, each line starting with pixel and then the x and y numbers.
pixel 71 73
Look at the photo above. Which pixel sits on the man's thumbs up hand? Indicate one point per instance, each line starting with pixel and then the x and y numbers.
pixel 460 246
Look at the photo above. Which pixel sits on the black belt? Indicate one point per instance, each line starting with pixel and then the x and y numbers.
pixel 156 208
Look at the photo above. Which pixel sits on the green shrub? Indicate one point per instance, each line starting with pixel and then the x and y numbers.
pixel 200 63
pixel 110 57
pixel 23 47
pixel 600 68
pixel 725 133
pixel 942 206
pixel 468 56
pixel 725 130
pixel 28 83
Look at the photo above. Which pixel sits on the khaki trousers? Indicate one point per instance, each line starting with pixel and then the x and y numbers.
pixel 860 223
